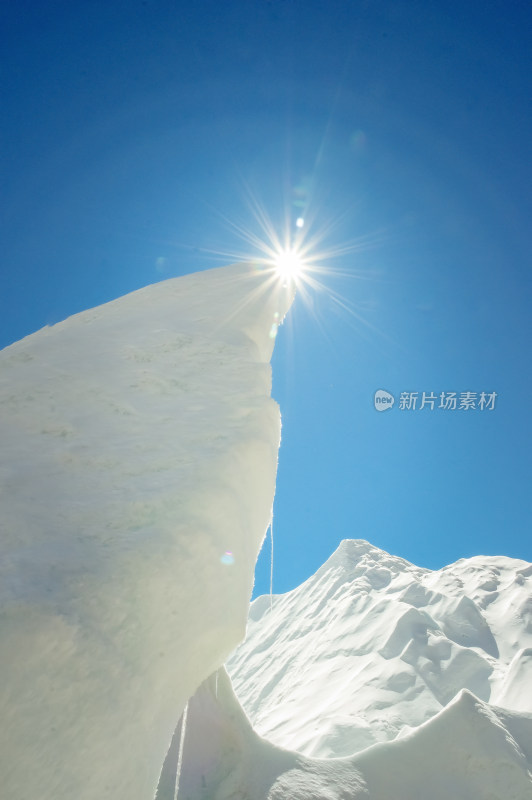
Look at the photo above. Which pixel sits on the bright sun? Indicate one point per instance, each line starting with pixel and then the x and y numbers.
pixel 289 264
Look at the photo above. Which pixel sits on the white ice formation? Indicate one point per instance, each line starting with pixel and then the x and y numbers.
pixel 137 472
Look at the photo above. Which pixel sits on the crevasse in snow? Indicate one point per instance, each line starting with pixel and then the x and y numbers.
pixel 137 473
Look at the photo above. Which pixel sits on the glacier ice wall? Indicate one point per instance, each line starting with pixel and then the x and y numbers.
pixel 137 474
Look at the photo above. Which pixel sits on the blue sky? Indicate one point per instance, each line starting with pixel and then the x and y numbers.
pixel 133 130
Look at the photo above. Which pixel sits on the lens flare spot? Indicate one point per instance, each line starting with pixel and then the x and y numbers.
pixel 227 558
pixel 300 222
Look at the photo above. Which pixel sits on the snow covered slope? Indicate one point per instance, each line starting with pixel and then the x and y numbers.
pixel 468 751
pixel 137 472
pixel 371 646
pixel 372 649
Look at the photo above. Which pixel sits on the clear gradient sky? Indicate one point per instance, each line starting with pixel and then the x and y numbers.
pixel 132 131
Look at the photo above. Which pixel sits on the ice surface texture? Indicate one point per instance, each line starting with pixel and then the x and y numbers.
pixel 137 473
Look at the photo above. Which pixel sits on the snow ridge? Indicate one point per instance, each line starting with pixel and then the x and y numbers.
pixel 371 662
pixel 390 644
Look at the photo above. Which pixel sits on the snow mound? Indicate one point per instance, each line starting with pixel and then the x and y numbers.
pixel 371 647
pixel 224 759
pixel 137 474
pixel 468 751
pixel 381 659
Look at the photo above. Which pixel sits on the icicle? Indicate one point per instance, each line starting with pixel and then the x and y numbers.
pixel 180 752
pixel 271 564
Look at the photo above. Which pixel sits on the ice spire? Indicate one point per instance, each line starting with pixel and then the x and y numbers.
pixel 139 449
